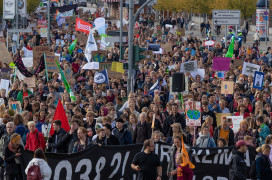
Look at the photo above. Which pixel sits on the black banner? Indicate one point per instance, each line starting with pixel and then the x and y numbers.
pixel 114 162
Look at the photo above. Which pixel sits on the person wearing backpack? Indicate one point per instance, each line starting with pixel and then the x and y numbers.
pixel 34 138
pixel 12 157
pixel 238 168
pixel 263 164
pixel 38 168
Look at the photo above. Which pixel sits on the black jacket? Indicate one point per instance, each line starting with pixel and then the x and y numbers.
pixel 238 168
pixel 12 167
pixel 171 120
pixel 231 135
pixel 113 140
pixel 69 140
pixel 52 144
pixel 263 165
pixel 141 133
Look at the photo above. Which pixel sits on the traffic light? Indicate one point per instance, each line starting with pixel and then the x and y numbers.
pixel 137 56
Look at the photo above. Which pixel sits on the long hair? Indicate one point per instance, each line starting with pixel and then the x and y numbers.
pixel 39 154
pixel 260 110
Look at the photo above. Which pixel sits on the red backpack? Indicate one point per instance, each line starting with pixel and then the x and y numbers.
pixel 34 172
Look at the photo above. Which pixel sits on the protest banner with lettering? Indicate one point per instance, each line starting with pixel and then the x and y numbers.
pixel 221 63
pixel 258 80
pixel 227 87
pixel 83 26
pixel 4 73
pixel 249 69
pixel 51 63
pixel 117 67
pixel 30 81
pixel 38 51
pixel 219 116
pixel 193 113
pixel 15 106
pixel 111 74
pixel 114 162
pixel 4 54
pixel 189 66
pixel 235 122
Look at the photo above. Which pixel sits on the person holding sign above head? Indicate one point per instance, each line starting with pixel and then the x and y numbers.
pixel 147 163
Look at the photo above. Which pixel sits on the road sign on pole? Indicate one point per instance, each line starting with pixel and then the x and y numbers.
pixel 226 17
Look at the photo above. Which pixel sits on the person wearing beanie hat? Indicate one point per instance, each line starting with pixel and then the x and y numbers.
pixel 12 157
pixel 122 133
pixel 112 140
pixel 238 168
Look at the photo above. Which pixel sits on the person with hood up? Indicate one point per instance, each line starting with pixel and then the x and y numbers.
pixel 204 140
pixel 40 160
pixel 238 167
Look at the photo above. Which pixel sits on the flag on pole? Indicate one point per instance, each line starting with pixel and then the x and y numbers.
pixel 101 77
pixel 90 46
pixel 67 86
pixel 185 157
pixel 72 47
pixel 231 47
pixel 60 115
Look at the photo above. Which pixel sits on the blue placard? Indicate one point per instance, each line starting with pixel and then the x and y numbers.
pixel 258 80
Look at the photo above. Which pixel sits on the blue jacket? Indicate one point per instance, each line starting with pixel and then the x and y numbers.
pixel 124 136
pixel 263 170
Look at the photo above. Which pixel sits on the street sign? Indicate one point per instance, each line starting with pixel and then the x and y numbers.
pixel 226 17
pixel 226 21
pixel 115 39
pixel 226 14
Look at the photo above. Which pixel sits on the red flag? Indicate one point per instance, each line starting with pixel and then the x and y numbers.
pixel 83 26
pixel 60 115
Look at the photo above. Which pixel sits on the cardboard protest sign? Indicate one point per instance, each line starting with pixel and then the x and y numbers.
pixel 38 51
pixel 227 87
pixel 15 106
pixel 238 62
pixel 99 56
pixel 249 69
pixel 188 66
pixel 111 74
pixel 30 81
pixel 82 39
pixel 51 63
pixel 193 113
pixel 5 55
pixel 221 64
pixel 219 116
pixel 166 47
pixel 258 80
pixel 117 67
pixel 4 74
pixel 235 122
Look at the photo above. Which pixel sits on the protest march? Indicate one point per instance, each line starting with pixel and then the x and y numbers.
pixel 192 107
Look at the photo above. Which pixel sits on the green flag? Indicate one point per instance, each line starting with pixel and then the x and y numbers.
pixel 72 47
pixel 231 47
pixel 67 85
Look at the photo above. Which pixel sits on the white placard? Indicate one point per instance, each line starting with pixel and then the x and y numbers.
pixel 201 72
pixel 189 66
pixel 28 61
pixel 249 69
pixel 235 122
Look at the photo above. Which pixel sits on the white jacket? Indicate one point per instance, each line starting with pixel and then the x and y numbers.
pixel 46 171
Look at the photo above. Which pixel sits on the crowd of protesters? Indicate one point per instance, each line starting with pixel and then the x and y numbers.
pixel 105 114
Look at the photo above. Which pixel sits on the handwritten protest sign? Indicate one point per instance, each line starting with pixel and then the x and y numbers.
pixel 111 74
pixel 249 69
pixel 189 66
pixel 193 115
pixel 38 51
pixel 235 122
pixel 221 64
pixel 258 80
pixel 51 63
pixel 15 106
pixel 227 87
pixel 4 54
pixel 30 81
pixel 117 67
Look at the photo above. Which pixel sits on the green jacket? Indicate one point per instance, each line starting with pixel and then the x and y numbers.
pixel 20 95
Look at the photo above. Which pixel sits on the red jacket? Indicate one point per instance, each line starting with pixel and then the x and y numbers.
pixel 34 141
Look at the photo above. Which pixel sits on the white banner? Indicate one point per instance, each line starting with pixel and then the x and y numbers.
pixel 22 5
pixel 66 13
pixel 9 9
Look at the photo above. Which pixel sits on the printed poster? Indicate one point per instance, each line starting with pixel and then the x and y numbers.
pixel 258 80
pixel 193 113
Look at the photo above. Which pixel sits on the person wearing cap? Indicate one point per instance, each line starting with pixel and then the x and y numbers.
pixel 112 140
pixel 122 133
pixel 238 167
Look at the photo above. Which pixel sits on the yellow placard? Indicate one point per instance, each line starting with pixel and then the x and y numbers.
pixel 117 67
